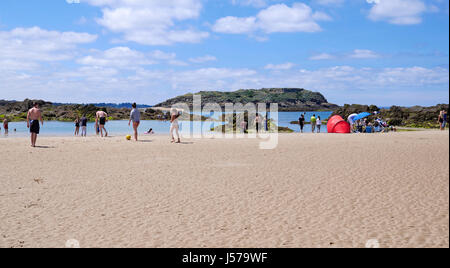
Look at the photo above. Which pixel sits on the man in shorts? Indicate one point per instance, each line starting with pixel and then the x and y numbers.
pixel 33 117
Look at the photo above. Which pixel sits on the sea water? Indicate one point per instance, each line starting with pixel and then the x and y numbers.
pixel 55 128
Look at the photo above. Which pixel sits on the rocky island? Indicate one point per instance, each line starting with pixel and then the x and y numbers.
pixel 288 99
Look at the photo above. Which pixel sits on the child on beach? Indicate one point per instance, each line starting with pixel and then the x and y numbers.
pixel 319 124
pixel 5 126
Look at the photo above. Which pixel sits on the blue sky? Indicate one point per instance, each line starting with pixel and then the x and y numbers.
pixel 384 52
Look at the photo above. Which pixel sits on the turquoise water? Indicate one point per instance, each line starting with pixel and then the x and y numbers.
pixel 53 128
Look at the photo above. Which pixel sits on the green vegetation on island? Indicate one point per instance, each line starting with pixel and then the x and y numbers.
pixel 288 99
pixel 411 117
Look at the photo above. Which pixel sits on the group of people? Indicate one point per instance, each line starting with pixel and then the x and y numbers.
pixel 260 123
pixel 316 123
pixel 366 126
pixel 34 117
pixel 35 121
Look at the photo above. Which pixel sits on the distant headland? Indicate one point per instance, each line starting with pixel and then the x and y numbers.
pixel 288 99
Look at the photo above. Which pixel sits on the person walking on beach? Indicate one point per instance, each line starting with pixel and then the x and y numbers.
pixel 33 117
pixel 318 124
pixel 77 126
pixel 135 116
pixel 301 122
pixel 5 126
pixel 174 126
pixel 313 123
pixel 84 122
pixel 101 119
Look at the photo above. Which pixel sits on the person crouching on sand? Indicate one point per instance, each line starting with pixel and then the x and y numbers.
pixel 135 116
pixel 101 119
pixel 33 117
pixel 174 125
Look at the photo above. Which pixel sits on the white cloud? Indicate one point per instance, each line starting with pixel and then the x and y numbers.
pixel 254 3
pixel 118 57
pixel 322 56
pixel 279 67
pixel 126 58
pixel 355 54
pixel 363 54
pixel 36 44
pixel 151 22
pixel 203 59
pixel 329 2
pixel 402 12
pixel 274 19
pixel 340 84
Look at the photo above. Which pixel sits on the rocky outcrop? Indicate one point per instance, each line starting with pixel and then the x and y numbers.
pixel 288 99
pixel 17 111
pixel 417 116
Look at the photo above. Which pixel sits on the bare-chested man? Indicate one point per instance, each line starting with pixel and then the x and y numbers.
pixel 101 119
pixel 33 117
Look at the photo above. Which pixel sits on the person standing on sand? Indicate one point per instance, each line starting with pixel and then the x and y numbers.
pixel 301 122
pixel 319 124
pixel 258 122
pixel 444 123
pixel 77 126
pixel 84 121
pixel 135 116
pixel 33 117
pixel 243 127
pixel 313 123
pixel 174 126
pixel 101 119
pixel 5 126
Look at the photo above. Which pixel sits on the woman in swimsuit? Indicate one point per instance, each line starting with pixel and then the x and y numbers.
pixel 77 126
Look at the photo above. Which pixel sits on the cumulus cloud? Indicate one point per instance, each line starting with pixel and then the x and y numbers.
pixel 126 58
pixel 151 22
pixel 36 44
pixel 28 48
pixel 330 2
pixel 341 84
pixel 274 19
pixel 253 3
pixel 401 12
pixel 203 59
pixel 279 67
pixel 355 54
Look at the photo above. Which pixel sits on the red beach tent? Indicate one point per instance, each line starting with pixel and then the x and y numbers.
pixel 337 124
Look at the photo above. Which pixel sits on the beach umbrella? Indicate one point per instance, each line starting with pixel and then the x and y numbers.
pixel 361 116
pixel 351 118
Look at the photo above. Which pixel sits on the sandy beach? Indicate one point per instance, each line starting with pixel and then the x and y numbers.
pixel 311 191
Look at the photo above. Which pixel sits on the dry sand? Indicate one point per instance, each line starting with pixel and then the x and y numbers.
pixel 312 191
